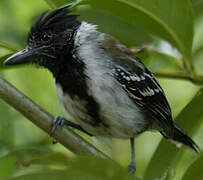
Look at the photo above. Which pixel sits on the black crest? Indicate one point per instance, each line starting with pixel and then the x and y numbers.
pixel 58 19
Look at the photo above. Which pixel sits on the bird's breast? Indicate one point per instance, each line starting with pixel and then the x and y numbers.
pixel 107 112
pixel 75 106
pixel 84 111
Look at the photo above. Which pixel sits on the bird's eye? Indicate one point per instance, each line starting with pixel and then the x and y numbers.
pixel 46 37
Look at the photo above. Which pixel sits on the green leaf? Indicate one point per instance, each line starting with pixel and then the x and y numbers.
pixel 198 38
pixel 51 4
pixel 167 155
pixel 122 30
pixel 7 166
pixel 55 3
pixel 6 127
pixel 7 46
pixel 56 174
pixel 126 33
pixel 38 156
pixel 157 61
pixel 100 168
pixel 198 7
pixel 169 19
pixel 51 175
pixel 88 167
pixel 195 172
pixel 198 63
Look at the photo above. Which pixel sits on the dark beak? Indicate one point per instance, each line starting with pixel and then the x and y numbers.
pixel 22 57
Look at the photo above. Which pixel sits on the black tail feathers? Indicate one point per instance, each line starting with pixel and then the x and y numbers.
pixel 180 137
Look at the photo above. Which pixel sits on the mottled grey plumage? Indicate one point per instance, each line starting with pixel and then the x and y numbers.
pixel 100 82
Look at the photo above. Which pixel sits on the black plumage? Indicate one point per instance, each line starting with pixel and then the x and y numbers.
pixel 65 74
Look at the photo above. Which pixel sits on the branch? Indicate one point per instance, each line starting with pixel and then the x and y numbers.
pixel 172 75
pixel 9 47
pixel 43 120
pixel 182 76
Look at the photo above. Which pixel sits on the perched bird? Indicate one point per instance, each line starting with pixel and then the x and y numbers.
pixel 101 83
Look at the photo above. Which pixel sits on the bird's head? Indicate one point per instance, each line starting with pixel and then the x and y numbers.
pixel 50 36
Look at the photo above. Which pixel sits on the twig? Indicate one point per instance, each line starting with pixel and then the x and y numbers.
pixel 172 75
pixel 43 120
pixel 182 76
pixel 51 4
pixel 9 47
pixel 197 52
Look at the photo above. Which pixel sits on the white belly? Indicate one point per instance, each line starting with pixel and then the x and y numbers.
pixel 120 116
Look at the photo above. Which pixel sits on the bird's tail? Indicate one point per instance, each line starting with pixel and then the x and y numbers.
pixel 179 136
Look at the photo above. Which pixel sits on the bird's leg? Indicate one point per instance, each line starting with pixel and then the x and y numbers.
pixel 60 121
pixel 132 165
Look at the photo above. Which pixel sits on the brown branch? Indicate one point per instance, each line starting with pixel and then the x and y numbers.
pixel 43 120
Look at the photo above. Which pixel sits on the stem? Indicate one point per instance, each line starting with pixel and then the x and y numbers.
pixel 188 65
pixel 172 75
pixel 197 52
pixel 51 4
pixel 182 76
pixel 8 46
pixel 43 120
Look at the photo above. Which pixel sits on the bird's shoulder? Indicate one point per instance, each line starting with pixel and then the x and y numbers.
pixel 138 82
pixel 114 47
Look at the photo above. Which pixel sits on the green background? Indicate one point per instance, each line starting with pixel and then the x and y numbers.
pixel 171 33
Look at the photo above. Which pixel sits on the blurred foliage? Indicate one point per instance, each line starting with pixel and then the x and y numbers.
pixel 195 170
pixel 90 168
pixel 169 38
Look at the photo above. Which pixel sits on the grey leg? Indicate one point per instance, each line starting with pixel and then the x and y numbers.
pixel 132 165
pixel 60 121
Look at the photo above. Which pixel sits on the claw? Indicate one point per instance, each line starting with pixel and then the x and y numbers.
pixel 132 169
pixel 58 121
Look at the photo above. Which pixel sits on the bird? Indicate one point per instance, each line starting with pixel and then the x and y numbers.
pixel 100 82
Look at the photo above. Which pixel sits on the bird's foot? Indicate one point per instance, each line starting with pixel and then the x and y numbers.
pixel 58 121
pixel 132 168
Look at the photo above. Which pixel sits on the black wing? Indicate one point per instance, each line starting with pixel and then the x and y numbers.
pixel 139 83
pixel 142 87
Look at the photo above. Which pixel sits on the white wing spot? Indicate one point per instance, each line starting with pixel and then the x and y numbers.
pixel 135 78
pixel 152 78
pixel 127 78
pixel 147 92
pixel 144 93
pixel 151 92
pixel 142 78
